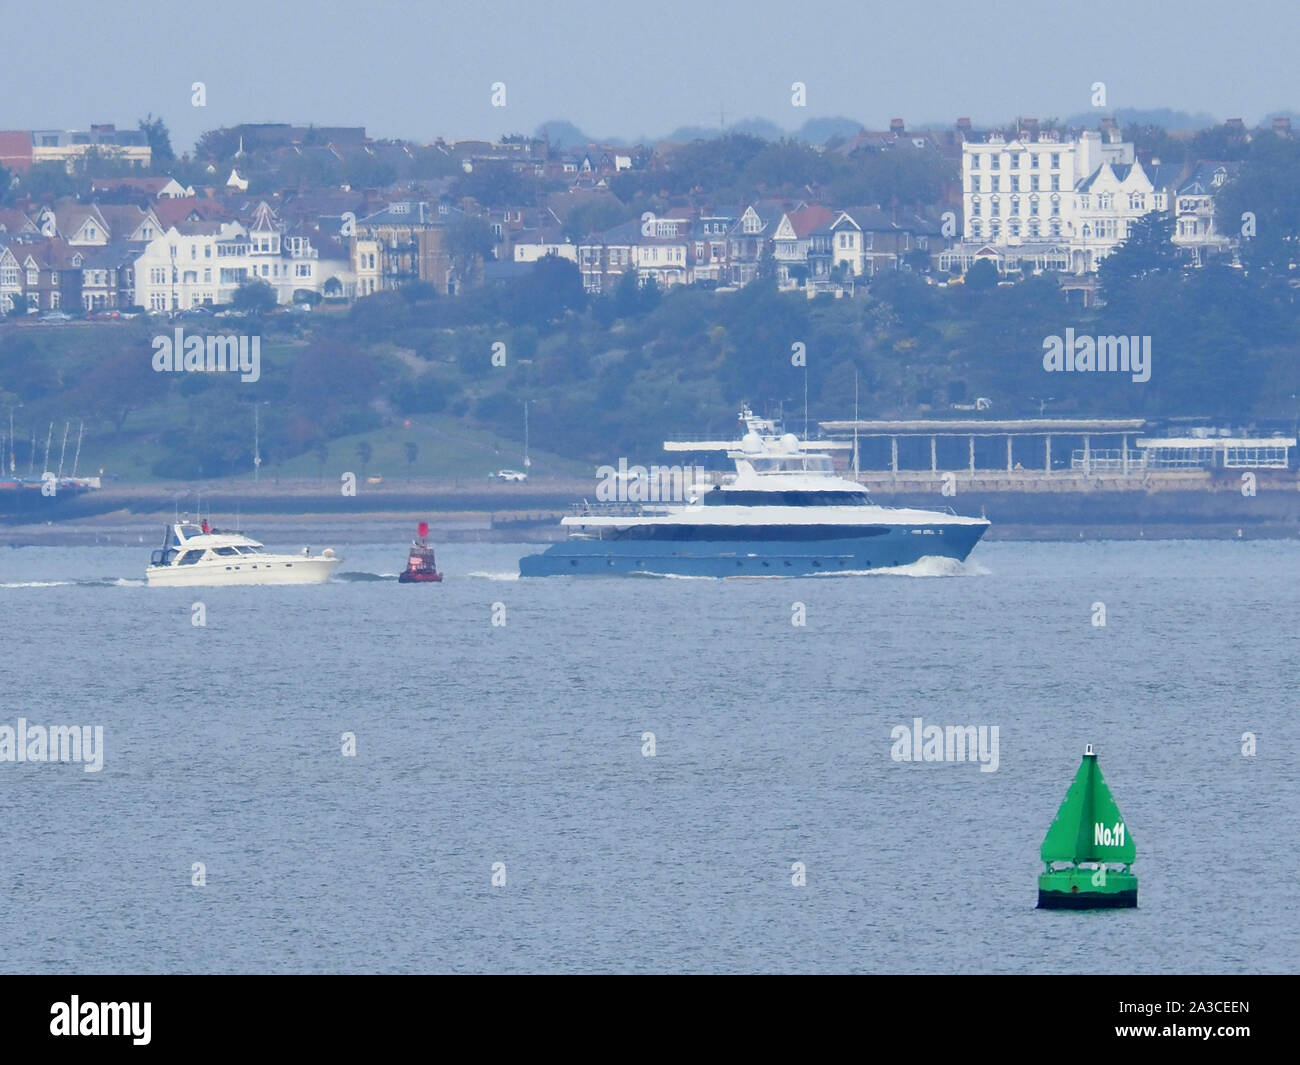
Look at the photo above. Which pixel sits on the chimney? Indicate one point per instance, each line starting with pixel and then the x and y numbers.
pixel 896 126
pixel 1235 125
pixel 963 124
pixel 1028 129
pixel 1282 126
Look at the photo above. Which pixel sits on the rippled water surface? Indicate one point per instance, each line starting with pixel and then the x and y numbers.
pixel 522 743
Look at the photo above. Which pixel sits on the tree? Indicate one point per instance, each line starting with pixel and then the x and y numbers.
pixel 552 287
pixel 254 296
pixel 160 141
pixel 982 276
pixel 412 450
pixel 1265 194
pixel 1148 249
pixel 48 181
pixel 469 242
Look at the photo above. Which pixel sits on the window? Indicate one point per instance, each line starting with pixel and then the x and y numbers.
pixel 1033 183
pixel 974 161
pixel 997 184
pixel 997 162
pixel 1056 161
pixel 1137 201
pixel 1015 160
pixel 1033 160
pixel 975 207
pixel 996 209
pixel 1105 201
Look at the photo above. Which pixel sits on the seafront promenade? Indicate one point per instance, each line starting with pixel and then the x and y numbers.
pixel 1022 504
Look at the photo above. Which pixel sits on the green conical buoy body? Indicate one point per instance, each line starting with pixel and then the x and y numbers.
pixel 1089 832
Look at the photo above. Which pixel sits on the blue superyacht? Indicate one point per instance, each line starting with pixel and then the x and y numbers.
pixel 784 512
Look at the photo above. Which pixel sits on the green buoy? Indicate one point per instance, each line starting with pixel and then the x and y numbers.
pixel 1089 833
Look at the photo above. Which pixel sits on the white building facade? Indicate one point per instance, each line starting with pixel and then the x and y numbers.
pixel 203 263
pixel 1040 202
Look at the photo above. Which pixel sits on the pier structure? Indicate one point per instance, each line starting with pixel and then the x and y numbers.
pixel 1050 454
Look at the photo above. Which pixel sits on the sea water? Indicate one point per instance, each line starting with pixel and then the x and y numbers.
pixel 583 775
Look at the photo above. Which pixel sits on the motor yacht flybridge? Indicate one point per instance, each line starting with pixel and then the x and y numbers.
pixel 198 555
pixel 785 512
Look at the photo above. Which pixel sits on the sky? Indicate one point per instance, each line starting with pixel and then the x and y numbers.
pixel 423 70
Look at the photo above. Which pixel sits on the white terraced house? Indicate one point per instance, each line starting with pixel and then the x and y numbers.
pixel 198 263
pixel 1042 203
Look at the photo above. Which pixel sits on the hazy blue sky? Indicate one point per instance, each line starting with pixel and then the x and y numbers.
pixel 621 69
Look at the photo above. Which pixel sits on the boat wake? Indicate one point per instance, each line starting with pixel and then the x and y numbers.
pixel 356 575
pixel 929 566
pixel 88 582
pixel 498 575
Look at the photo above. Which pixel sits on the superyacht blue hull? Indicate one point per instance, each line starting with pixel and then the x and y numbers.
pixel 752 558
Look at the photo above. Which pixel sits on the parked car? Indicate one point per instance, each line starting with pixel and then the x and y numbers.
pixel 54 316
pixel 510 475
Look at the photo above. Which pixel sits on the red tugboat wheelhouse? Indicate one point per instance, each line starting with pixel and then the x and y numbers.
pixel 420 566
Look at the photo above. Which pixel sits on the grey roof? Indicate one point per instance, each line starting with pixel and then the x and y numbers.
pixel 1201 180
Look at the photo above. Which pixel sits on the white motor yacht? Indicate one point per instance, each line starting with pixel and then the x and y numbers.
pixel 198 555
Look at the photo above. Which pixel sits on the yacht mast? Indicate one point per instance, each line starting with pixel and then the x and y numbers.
pixel 81 428
pixel 64 450
pixel 855 424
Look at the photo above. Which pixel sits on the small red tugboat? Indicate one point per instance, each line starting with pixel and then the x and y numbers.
pixel 420 567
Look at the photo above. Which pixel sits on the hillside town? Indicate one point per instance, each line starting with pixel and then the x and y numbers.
pixel 264 204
